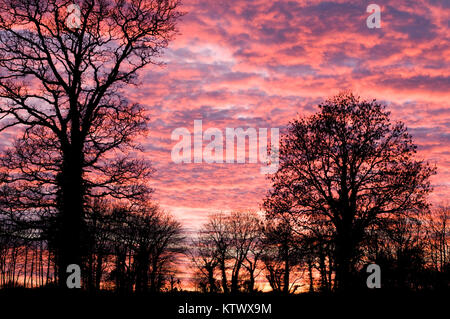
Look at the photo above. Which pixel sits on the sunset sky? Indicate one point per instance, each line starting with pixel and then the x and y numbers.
pixel 261 63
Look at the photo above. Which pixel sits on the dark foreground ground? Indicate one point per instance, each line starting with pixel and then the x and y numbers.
pixel 53 303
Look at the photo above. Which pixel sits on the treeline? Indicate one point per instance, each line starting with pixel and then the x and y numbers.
pixel 125 249
pixel 142 249
pixel 246 252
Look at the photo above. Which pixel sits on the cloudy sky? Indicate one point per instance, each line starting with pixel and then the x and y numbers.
pixel 261 63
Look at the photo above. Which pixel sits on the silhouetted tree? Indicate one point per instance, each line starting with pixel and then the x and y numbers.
pixel 205 259
pixel 398 247
pixel 437 246
pixel 166 244
pixel 62 84
pixel 229 242
pixel 439 237
pixel 349 165
pixel 253 259
pixel 282 255
pixel 244 230
pixel 316 241
pixel 99 228
pixel 216 231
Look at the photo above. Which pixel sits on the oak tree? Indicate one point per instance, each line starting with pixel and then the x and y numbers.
pixel 348 165
pixel 61 81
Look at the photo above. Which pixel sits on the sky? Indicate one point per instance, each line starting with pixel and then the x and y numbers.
pixel 261 63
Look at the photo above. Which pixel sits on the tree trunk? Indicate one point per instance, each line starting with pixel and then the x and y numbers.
pixel 211 280
pixel 48 266
pixel 224 276
pixel 286 271
pixel 154 275
pixel 25 265
pixel 251 284
pixel 98 271
pixel 311 279
pixel 71 214
pixel 344 256
pixel 235 279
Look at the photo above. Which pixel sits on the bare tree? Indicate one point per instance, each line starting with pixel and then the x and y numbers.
pixel 438 223
pixel 204 256
pixel 349 165
pixel 62 84
pixel 166 245
pixel 137 247
pixel 244 229
pixel 282 256
pixel 99 226
pixel 231 243
pixel 217 233
pixel 253 259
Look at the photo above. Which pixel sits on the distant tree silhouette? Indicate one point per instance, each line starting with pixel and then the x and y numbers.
pixel 205 260
pixel 439 234
pixel 217 233
pixel 231 243
pixel 99 224
pixel 437 246
pixel 398 247
pixel 282 255
pixel 317 246
pixel 135 247
pixel 63 86
pixel 350 166
pixel 253 258
pixel 245 231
